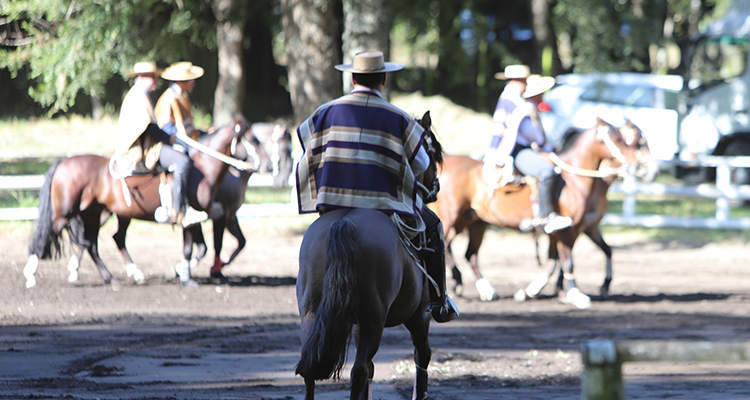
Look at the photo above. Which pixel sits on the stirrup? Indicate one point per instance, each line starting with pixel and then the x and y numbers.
pixel 557 222
pixel 448 311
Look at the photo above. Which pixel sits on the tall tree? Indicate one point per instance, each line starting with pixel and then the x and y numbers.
pixel 367 25
pixel 230 88
pixel 313 48
pixel 78 46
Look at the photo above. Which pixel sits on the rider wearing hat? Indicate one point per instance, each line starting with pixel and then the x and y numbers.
pixel 518 136
pixel 174 112
pixel 362 152
pixel 140 141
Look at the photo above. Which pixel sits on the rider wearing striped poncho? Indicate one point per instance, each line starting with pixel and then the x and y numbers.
pixel 362 152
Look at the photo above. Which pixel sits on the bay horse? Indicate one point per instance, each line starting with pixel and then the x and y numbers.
pixel 79 194
pixel 465 203
pixel 270 146
pixel 355 270
pixel 646 170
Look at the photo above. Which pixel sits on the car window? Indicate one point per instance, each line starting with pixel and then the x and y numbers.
pixel 718 59
pixel 628 95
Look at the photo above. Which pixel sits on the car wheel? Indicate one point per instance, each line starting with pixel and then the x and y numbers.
pixel 740 176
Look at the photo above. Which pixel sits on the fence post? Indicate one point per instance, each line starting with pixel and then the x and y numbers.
pixel 602 373
pixel 723 183
pixel 628 204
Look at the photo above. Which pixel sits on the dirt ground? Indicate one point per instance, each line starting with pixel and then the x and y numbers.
pixel 239 339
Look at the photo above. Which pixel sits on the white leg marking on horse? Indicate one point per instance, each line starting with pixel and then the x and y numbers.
pixel 73 269
pixel 29 270
pixel 183 270
pixel 536 286
pixel 486 291
pixel 134 272
pixel 578 299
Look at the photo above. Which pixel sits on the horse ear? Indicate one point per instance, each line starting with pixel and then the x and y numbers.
pixel 600 122
pixel 629 123
pixel 426 120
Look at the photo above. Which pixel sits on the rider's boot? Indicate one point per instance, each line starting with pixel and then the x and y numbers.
pixel 442 307
pixel 551 221
pixel 180 173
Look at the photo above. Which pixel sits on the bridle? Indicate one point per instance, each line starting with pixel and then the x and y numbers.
pixel 431 152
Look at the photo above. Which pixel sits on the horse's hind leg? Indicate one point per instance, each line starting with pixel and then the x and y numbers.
pixel 369 335
pixel 233 226
pixel 476 236
pixel 130 267
pixel 219 225
pixel 419 326
pixel 91 225
pixel 536 286
pixel 596 236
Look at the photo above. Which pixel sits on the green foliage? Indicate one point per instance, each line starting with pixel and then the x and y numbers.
pixel 79 45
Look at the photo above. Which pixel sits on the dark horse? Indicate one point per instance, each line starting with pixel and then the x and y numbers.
pixel 79 194
pixel 271 149
pixel 354 270
pixel 465 203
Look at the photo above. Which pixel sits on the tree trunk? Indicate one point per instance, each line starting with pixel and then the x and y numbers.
pixel 313 49
pixel 546 45
pixel 231 84
pixel 367 25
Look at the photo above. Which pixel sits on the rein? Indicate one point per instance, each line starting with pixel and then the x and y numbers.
pixel 591 173
pixel 238 164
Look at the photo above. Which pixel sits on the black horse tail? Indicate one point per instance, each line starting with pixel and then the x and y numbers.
pixel 324 352
pixel 44 242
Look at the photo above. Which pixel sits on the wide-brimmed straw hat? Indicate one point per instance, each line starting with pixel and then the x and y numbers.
pixel 369 62
pixel 182 71
pixel 536 85
pixel 143 68
pixel 515 71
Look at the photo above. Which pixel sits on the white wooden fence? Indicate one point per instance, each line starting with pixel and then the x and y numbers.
pixel 603 359
pixel 723 191
pixel 34 182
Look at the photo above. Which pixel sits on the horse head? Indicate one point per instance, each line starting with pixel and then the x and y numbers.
pixel 646 167
pixel 429 178
pixel 272 148
pixel 611 145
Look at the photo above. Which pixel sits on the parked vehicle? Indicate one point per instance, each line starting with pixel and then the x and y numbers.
pixel 650 101
pixel 706 112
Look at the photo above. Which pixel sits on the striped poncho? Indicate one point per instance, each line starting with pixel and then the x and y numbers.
pixel 357 154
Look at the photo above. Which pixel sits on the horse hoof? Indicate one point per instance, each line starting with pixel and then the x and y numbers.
pixel 115 284
pixel 190 284
pixel 577 298
pixel 73 276
pixel 217 275
pixel 604 293
pixel 458 289
pixel 520 296
pixel 30 282
pixel 486 291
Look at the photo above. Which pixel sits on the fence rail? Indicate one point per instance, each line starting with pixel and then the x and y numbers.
pixel 603 359
pixel 723 191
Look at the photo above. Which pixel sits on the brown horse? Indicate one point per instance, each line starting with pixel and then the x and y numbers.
pixel 271 148
pixel 79 194
pixel 355 270
pixel 465 202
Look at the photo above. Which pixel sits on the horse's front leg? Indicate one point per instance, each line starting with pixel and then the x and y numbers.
pixel 595 234
pixel 91 224
pixel 476 236
pixel 130 267
pixel 183 268
pixel 572 294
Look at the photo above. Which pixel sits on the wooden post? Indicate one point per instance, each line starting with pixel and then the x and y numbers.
pixel 602 374
pixel 723 183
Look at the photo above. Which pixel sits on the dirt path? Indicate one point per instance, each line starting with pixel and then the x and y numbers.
pixel 239 339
